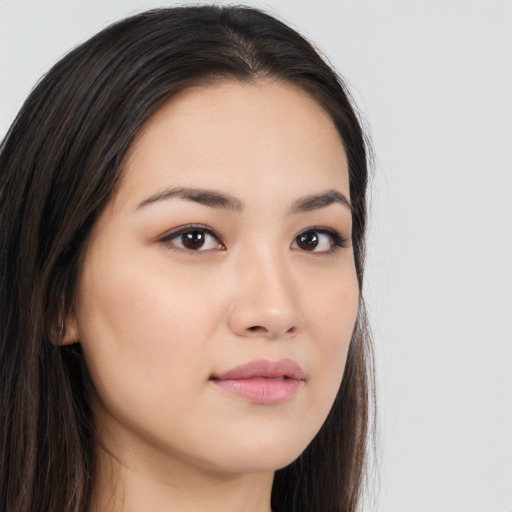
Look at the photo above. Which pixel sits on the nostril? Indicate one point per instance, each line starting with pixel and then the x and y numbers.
pixel 257 329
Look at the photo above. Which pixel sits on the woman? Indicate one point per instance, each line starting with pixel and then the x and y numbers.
pixel 183 214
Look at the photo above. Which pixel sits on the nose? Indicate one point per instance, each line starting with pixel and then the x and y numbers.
pixel 265 303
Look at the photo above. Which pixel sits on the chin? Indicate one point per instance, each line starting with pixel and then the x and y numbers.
pixel 262 462
pixel 261 455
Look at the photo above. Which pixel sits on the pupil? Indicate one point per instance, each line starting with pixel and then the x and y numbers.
pixel 193 239
pixel 308 241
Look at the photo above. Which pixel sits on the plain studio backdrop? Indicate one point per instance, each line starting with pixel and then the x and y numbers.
pixel 434 81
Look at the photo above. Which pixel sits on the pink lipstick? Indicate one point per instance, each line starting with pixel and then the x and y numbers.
pixel 261 381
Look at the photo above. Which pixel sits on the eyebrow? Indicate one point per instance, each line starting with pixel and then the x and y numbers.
pixel 211 198
pixel 217 199
pixel 317 201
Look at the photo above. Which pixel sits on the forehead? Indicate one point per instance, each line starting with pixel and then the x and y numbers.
pixel 252 137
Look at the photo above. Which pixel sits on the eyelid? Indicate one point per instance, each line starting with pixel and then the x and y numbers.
pixel 338 240
pixel 180 230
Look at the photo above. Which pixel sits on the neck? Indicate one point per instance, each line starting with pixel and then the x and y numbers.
pixel 139 485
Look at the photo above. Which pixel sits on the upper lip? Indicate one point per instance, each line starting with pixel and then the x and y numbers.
pixel 264 369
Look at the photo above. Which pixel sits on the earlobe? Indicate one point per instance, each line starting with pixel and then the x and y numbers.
pixel 67 331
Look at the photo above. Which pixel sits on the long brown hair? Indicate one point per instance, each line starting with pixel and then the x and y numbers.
pixel 59 164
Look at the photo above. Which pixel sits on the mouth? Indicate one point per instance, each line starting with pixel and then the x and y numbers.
pixel 261 381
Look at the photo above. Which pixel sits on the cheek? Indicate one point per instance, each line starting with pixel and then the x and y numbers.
pixel 141 327
pixel 333 311
pixel 332 318
pixel 144 335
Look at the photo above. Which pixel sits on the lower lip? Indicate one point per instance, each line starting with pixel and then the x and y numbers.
pixel 264 391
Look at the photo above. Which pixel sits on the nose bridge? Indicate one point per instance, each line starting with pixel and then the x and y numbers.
pixel 270 276
pixel 266 303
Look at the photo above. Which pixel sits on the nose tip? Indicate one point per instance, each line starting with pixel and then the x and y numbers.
pixel 254 321
pixel 266 306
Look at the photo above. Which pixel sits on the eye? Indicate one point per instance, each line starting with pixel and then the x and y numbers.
pixel 319 240
pixel 193 238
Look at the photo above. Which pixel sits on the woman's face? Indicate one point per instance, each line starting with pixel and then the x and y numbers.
pixel 218 292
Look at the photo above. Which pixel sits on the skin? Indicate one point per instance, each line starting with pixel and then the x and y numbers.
pixel 156 320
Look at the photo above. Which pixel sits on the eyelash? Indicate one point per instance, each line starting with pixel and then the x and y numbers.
pixel 183 230
pixel 337 240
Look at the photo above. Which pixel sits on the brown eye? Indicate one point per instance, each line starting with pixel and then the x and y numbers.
pixel 319 240
pixel 193 240
pixel 307 241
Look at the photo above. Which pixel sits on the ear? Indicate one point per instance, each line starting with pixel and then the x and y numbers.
pixel 67 331
pixel 70 331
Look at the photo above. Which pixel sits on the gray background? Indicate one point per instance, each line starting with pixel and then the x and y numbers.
pixel 434 80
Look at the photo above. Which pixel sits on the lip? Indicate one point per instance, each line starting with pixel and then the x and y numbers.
pixel 261 381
